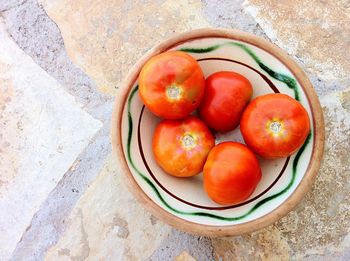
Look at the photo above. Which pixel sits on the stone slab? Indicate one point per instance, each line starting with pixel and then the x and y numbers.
pixel 108 224
pixel 42 131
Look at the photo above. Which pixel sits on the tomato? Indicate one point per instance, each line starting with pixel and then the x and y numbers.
pixel 171 84
pixel 181 147
pixel 231 173
pixel 275 125
pixel 226 96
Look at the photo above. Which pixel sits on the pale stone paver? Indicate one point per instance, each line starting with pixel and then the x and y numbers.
pixel 42 131
pixel 108 224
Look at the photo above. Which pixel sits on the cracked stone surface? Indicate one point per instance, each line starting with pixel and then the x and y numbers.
pixel 84 49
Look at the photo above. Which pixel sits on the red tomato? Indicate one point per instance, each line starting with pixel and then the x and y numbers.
pixel 226 95
pixel 275 125
pixel 171 84
pixel 231 173
pixel 181 147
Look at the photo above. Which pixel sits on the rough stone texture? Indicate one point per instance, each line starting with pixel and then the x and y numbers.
pixel 104 38
pixel 230 14
pixel 50 221
pixel 42 132
pixel 108 224
pixel 268 244
pixel 39 37
pixel 199 248
pixel 6 5
pixel 316 31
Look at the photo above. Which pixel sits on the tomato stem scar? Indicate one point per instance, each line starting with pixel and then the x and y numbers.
pixel 188 141
pixel 173 92
pixel 275 127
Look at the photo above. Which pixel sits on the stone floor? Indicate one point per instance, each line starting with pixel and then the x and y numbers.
pixel 61 63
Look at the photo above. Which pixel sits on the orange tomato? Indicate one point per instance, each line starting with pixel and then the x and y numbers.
pixel 181 147
pixel 275 125
pixel 226 95
pixel 171 84
pixel 231 173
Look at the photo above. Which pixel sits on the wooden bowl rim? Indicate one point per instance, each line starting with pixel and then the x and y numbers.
pixel 225 230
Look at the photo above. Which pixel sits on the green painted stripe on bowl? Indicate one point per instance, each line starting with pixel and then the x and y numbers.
pixel 204 214
pixel 289 81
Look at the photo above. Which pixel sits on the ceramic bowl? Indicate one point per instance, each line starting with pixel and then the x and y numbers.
pixel 183 203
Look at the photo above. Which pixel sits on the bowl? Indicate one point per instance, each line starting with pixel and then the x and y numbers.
pixel 183 203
